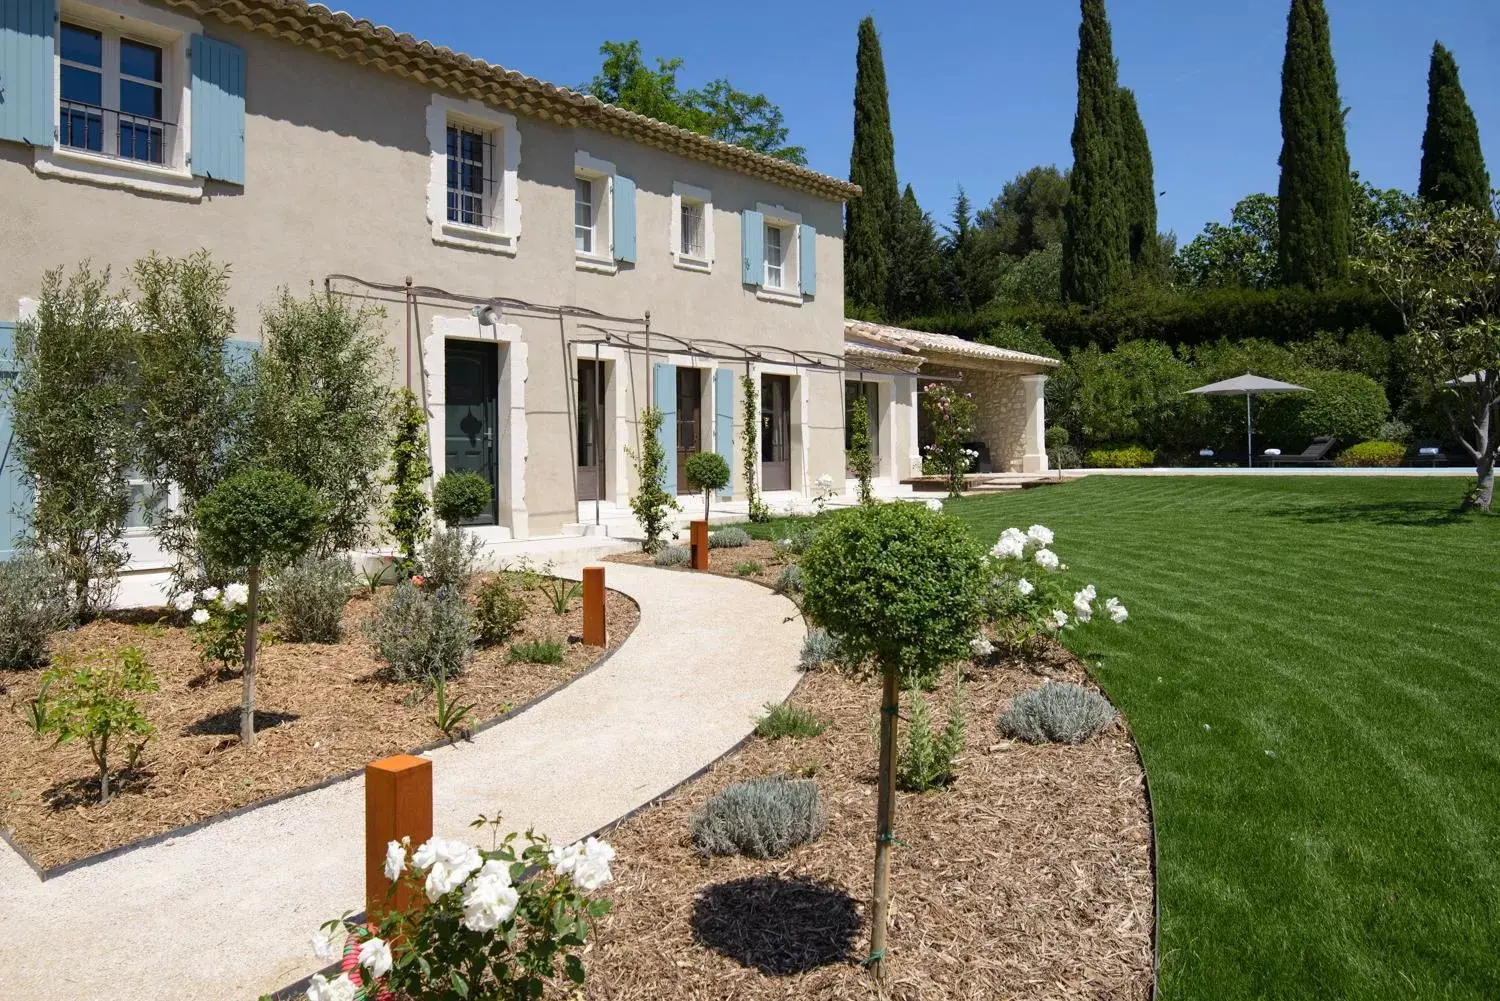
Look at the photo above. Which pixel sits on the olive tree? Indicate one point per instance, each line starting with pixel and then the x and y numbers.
pixel 71 402
pixel 255 521
pixel 901 588
pixel 1441 270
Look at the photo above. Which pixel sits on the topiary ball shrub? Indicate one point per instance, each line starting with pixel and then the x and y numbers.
pixel 461 496
pixel 789 580
pixel 898 584
pixel 422 635
pixel 762 818
pixel 1056 713
pixel 1374 454
pixel 499 610
pixel 1125 457
pixel 728 538
pixel 33 605
pixel 309 598
pixel 706 472
pixel 258 517
pixel 672 556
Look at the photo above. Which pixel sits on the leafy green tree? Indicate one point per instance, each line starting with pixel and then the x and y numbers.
pixel 872 165
pixel 194 404
pixel 1134 394
pixel 717 109
pixel 1314 196
pixel 258 520
pixel 72 410
pixel 1027 214
pixel 322 408
pixel 1035 278
pixel 916 272
pixel 1096 235
pixel 706 472
pixel 94 703
pixel 406 507
pixel 1242 254
pixel 1138 187
pixel 1453 168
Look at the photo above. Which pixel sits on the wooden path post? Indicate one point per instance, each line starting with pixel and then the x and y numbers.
pixel 700 544
pixel 398 804
pixel 594 633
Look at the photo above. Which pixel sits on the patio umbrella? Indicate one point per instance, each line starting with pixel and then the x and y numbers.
pixel 1249 385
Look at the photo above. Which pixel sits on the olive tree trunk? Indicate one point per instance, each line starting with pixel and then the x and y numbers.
pixel 247 702
pixel 885 818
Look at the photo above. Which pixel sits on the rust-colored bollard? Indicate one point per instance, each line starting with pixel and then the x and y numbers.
pixel 398 804
pixel 700 544
pixel 594 633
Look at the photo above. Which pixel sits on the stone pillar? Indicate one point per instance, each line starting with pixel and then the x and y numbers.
pixel 1034 459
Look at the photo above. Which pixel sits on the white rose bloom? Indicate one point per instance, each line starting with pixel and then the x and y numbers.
pixel 200 616
pixel 375 956
pixel 1059 618
pixel 1083 609
pixel 1025 586
pixel 1089 592
pixel 597 850
pixel 934 505
pixel 323 989
pixel 210 593
pixel 183 602
pixel 1116 610
pixel 236 594
pixel 565 858
pixel 1040 534
pixel 592 874
pixel 395 861
pixel 323 947
pixel 448 863
pixel 1047 559
pixel 490 899
pixel 980 646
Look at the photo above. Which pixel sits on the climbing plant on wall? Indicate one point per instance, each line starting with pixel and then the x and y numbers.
pixel 749 434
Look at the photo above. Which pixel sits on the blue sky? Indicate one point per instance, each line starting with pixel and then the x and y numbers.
pixel 981 91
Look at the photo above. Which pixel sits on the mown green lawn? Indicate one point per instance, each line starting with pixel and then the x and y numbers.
pixel 1312 671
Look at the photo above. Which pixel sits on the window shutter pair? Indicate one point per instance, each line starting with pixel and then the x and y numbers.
pixel 753 244
pixel 28 109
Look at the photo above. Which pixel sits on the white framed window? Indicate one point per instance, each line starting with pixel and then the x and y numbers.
pixel 121 88
pixel 782 281
pixel 584 235
pixel 473 197
pixel 593 213
pixel 692 235
pixel 147 504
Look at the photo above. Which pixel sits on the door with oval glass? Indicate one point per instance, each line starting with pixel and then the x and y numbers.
pixel 471 415
pixel 776 432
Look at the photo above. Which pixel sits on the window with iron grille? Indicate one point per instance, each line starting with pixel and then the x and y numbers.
pixel 112 95
pixel 470 173
pixel 692 230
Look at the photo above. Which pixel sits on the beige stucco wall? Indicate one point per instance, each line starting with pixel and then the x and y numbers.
pixel 337 167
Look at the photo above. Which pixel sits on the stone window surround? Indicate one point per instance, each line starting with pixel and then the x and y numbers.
pixel 681 190
pixel 173 33
pixel 504 234
pixel 790 223
pixel 514 370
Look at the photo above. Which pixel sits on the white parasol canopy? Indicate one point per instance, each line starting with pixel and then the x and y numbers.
pixel 1249 385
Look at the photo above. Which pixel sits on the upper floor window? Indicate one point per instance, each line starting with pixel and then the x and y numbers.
pixel 469 183
pixel 472 195
pixel 775 258
pixel 584 231
pixel 692 229
pixel 112 96
pixel 692 244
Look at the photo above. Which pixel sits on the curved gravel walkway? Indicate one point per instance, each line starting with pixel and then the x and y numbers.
pixel 226 912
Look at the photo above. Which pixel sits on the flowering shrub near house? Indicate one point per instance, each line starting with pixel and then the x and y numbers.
pixel 219 619
pixel 1026 596
pixel 952 414
pixel 500 924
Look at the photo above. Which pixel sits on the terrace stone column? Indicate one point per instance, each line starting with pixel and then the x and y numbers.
pixel 1034 459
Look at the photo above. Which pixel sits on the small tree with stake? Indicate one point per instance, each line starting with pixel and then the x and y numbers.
pixel 901 588
pixel 257 520
pixel 706 471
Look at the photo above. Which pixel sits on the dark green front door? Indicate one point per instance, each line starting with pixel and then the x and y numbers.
pixel 471 416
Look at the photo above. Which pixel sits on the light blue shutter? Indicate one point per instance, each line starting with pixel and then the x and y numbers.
pixel 15 496
pixel 724 423
pixel 218 110
pixel 753 243
pixel 664 398
pixel 807 254
pixel 624 228
pixel 239 356
pixel 28 112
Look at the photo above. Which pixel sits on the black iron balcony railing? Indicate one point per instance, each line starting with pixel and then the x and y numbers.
pixel 114 133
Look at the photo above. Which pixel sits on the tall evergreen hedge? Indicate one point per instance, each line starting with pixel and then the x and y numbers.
pixel 1138 185
pixel 1453 168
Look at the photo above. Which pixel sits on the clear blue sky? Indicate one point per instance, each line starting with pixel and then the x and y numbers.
pixel 981 91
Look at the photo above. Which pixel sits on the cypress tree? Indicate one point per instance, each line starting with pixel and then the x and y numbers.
pixel 1452 161
pixel 1139 184
pixel 915 271
pixel 1096 245
pixel 872 165
pixel 1314 197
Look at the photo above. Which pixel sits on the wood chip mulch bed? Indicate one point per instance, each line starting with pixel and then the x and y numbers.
pixel 1029 877
pixel 321 710
pixel 723 561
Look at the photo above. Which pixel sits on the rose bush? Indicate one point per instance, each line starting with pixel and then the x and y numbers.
pixel 502 924
pixel 1027 596
pixel 219 618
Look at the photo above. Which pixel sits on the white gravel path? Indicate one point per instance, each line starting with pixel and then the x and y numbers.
pixel 226 912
